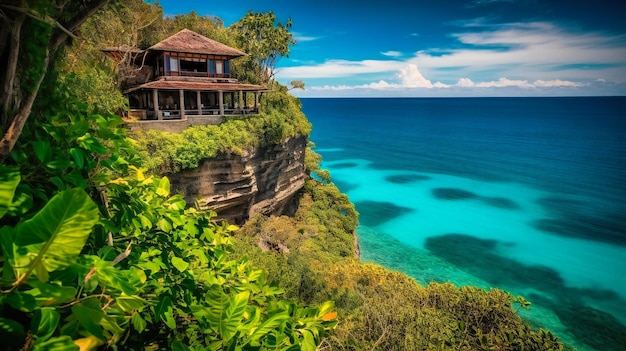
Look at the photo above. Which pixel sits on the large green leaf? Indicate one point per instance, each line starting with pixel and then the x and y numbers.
pixel 42 150
pixel 44 323
pixel 308 341
pixel 59 343
pixel 271 323
pixel 165 312
pixel 11 332
pixel 231 318
pixel 50 294
pixel 163 187
pixel 138 323
pixel 179 263
pixel 9 179
pixel 54 237
pixel 89 314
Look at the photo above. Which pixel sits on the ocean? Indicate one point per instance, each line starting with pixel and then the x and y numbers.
pixel 523 194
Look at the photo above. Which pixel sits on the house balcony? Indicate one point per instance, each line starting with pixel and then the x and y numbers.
pixel 175 121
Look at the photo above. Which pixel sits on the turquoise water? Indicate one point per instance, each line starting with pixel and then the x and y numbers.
pixel 524 194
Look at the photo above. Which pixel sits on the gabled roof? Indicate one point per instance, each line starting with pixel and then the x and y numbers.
pixel 192 42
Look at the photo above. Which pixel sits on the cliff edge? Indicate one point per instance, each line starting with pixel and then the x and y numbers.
pixel 260 180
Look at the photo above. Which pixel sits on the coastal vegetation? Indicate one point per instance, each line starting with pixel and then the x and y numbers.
pixel 280 118
pixel 312 256
pixel 97 254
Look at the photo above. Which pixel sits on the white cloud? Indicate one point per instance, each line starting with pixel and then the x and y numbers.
pixel 533 56
pixel 340 68
pixel 392 53
pixel 556 83
pixel 534 48
pixel 465 82
pixel 412 78
pixel 299 37
pixel 504 82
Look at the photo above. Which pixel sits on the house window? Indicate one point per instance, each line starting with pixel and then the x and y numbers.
pixel 173 64
pixel 219 67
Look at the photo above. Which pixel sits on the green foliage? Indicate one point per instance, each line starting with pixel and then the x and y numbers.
pixel 96 88
pixel 319 234
pixel 32 55
pixel 135 270
pixel 171 152
pixel 264 40
pixel 296 84
pixel 390 311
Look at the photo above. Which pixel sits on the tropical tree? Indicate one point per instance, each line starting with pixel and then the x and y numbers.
pixel 264 40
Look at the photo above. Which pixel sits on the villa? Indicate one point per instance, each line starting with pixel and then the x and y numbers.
pixel 185 77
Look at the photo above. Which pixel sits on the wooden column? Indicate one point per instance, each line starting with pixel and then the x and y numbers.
pixel 256 100
pixel 181 98
pixel 198 103
pixel 240 100
pixel 220 101
pixel 155 101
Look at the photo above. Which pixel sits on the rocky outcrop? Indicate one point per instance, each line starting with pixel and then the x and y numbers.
pixel 261 180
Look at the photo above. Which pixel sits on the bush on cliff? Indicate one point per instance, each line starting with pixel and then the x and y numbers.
pixel 280 118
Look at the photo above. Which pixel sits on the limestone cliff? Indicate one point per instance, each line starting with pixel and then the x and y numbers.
pixel 261 180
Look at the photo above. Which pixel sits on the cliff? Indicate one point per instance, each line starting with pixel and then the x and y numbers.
pixel 261 180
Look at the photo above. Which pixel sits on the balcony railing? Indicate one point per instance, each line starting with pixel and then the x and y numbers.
pixel 142 115
pixel 196 74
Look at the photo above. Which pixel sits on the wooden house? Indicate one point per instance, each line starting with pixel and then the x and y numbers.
pixel 184 77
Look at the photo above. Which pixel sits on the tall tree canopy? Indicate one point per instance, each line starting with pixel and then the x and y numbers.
pixel 264 40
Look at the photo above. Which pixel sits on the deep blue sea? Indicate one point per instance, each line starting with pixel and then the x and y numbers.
pixel 523 194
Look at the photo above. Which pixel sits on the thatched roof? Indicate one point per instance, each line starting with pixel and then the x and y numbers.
pixel 192 42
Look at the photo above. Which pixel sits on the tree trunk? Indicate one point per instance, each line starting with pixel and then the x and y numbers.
pixel 17 124
pixel 58 38
pixel 10 99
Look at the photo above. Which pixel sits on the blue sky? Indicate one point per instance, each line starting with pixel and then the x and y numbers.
pixel 445 47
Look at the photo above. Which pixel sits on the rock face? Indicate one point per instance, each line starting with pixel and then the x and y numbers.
pixel 261 180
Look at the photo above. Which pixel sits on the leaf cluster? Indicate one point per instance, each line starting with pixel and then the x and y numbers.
pixel 264 40
pixel 94 252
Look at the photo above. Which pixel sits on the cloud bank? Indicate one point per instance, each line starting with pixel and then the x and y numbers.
pixel 523 55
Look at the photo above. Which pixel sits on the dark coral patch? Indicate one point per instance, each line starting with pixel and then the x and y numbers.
pixel 344 165
pixel 500 202
pixel 558 203
pixel 584 227
pixel 595 328
pixel 480 258
pixel 374 213
pixel 573 219
pixel 406 178
pixel 453 194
